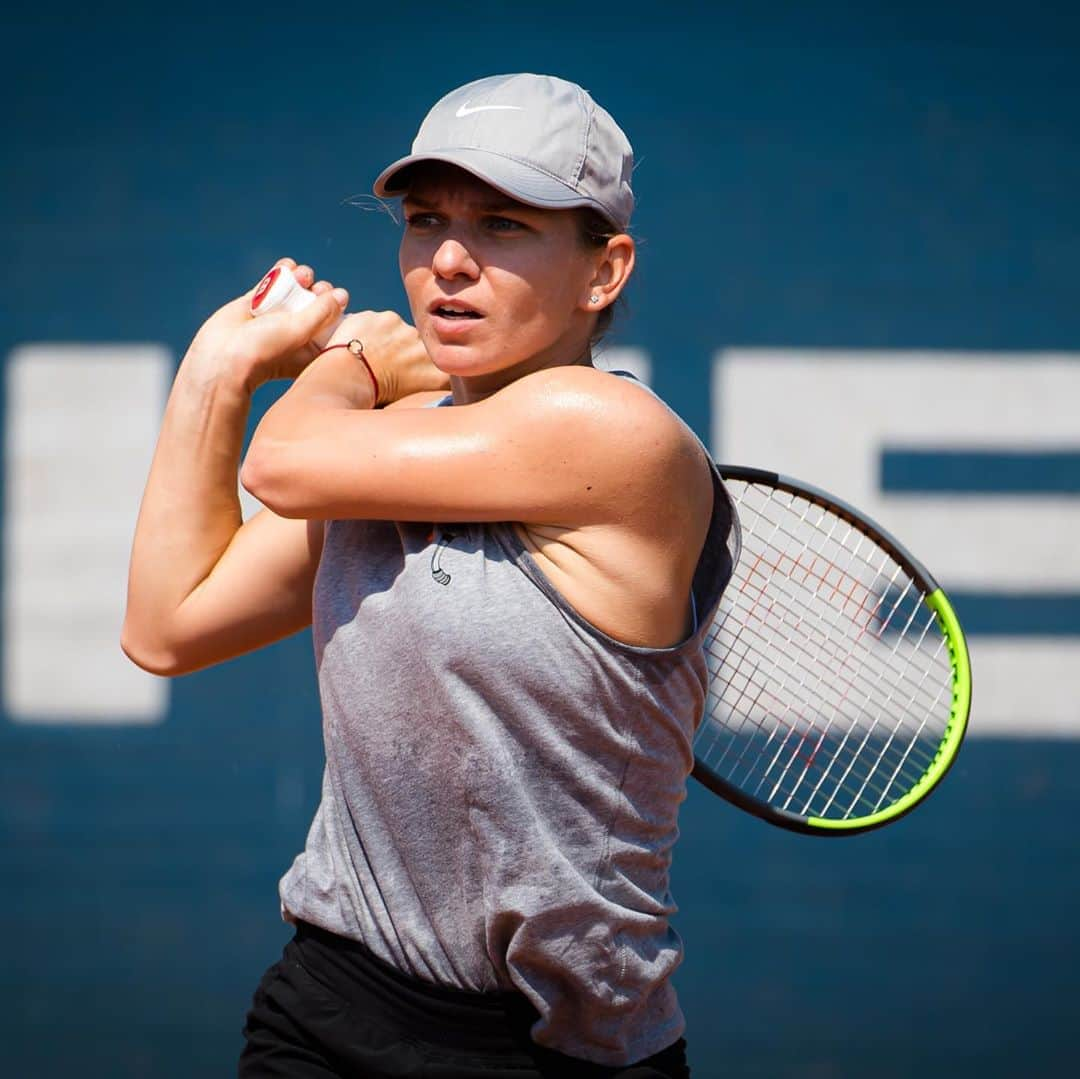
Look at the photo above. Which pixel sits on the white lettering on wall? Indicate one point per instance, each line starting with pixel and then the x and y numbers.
pixel 80 428
pixel 824 417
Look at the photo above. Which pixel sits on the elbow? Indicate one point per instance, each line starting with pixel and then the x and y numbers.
pixel 153 660
pixel 255 472
pixel 153 656
pixel 265 476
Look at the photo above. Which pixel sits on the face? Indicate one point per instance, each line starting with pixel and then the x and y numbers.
pixel 496 288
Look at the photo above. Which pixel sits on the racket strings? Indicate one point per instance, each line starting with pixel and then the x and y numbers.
pixel 824 640
pixel 827 645
pixel 937 708
pixel 873 727
pixel 798 740
pixel 775 758
pixel 774 581
pixel 879 725
pixel 777 755
pixel 828 672
pixel 908 710
pixel 778 582
pixel 794 738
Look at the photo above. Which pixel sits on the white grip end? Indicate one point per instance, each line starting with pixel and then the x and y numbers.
pixel 280 291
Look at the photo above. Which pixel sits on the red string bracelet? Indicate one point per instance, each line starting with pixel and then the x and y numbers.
pixel 356 347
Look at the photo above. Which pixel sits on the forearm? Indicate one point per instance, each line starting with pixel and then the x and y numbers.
pixel 191 509
pixel 324 430
pixel 334 384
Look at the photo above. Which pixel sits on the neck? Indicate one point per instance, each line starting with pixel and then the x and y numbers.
pixel 468 390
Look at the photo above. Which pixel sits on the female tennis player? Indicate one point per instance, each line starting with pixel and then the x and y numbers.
pixel 508 587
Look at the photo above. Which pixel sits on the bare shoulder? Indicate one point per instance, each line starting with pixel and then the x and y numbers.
pixel 599 404
pixel 623 419
pixel 640 464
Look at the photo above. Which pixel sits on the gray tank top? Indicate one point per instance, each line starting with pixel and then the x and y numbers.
pixel 502 779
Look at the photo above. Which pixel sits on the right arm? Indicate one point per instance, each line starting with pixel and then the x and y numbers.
pixel 203 585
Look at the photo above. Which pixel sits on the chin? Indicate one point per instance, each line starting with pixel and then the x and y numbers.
pixel 465 361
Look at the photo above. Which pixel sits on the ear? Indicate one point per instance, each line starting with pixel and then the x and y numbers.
pixel 613 267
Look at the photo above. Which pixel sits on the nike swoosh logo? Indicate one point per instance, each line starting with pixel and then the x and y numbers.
pixel 464 110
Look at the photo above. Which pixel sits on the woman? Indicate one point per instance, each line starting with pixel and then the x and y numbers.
pixel 508 599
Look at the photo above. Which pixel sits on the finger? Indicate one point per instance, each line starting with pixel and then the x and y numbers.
pixel 320 287
pixel 324 312
pixel 291 263
pixel 304 274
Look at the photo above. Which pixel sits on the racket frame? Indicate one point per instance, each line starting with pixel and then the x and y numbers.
pixel 948 623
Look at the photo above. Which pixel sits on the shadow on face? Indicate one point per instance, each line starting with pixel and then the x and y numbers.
pixel 442 199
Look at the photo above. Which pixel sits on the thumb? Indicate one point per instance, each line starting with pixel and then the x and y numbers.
pixel 236 311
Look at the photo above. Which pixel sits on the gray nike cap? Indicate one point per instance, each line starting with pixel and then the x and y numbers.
pixel 539 139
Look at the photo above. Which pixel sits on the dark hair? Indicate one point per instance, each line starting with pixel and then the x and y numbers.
pixel 594 231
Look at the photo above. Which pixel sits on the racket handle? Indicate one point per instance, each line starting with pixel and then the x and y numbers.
pixel 280 291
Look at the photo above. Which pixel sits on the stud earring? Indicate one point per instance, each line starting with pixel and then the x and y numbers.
pixel 594 298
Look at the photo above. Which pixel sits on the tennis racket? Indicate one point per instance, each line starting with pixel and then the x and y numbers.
pixel 840 683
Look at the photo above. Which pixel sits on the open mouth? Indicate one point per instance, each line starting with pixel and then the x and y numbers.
pixel 453 311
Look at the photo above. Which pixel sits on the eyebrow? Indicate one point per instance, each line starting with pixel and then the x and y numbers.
pixel 490 204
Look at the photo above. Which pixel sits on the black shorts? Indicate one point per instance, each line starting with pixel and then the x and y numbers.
pixel 330 1008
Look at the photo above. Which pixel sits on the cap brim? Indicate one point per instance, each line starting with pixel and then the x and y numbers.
pixel 520 181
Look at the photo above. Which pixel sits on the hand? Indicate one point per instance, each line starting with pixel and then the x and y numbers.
pixel 395 352
pixel 278 344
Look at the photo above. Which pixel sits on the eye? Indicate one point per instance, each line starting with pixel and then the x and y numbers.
pixel 421 220
pixel 495 223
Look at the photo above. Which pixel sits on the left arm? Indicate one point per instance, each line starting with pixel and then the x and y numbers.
pixel 568 446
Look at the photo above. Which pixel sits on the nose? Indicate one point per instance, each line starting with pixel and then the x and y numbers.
pixel 453 259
